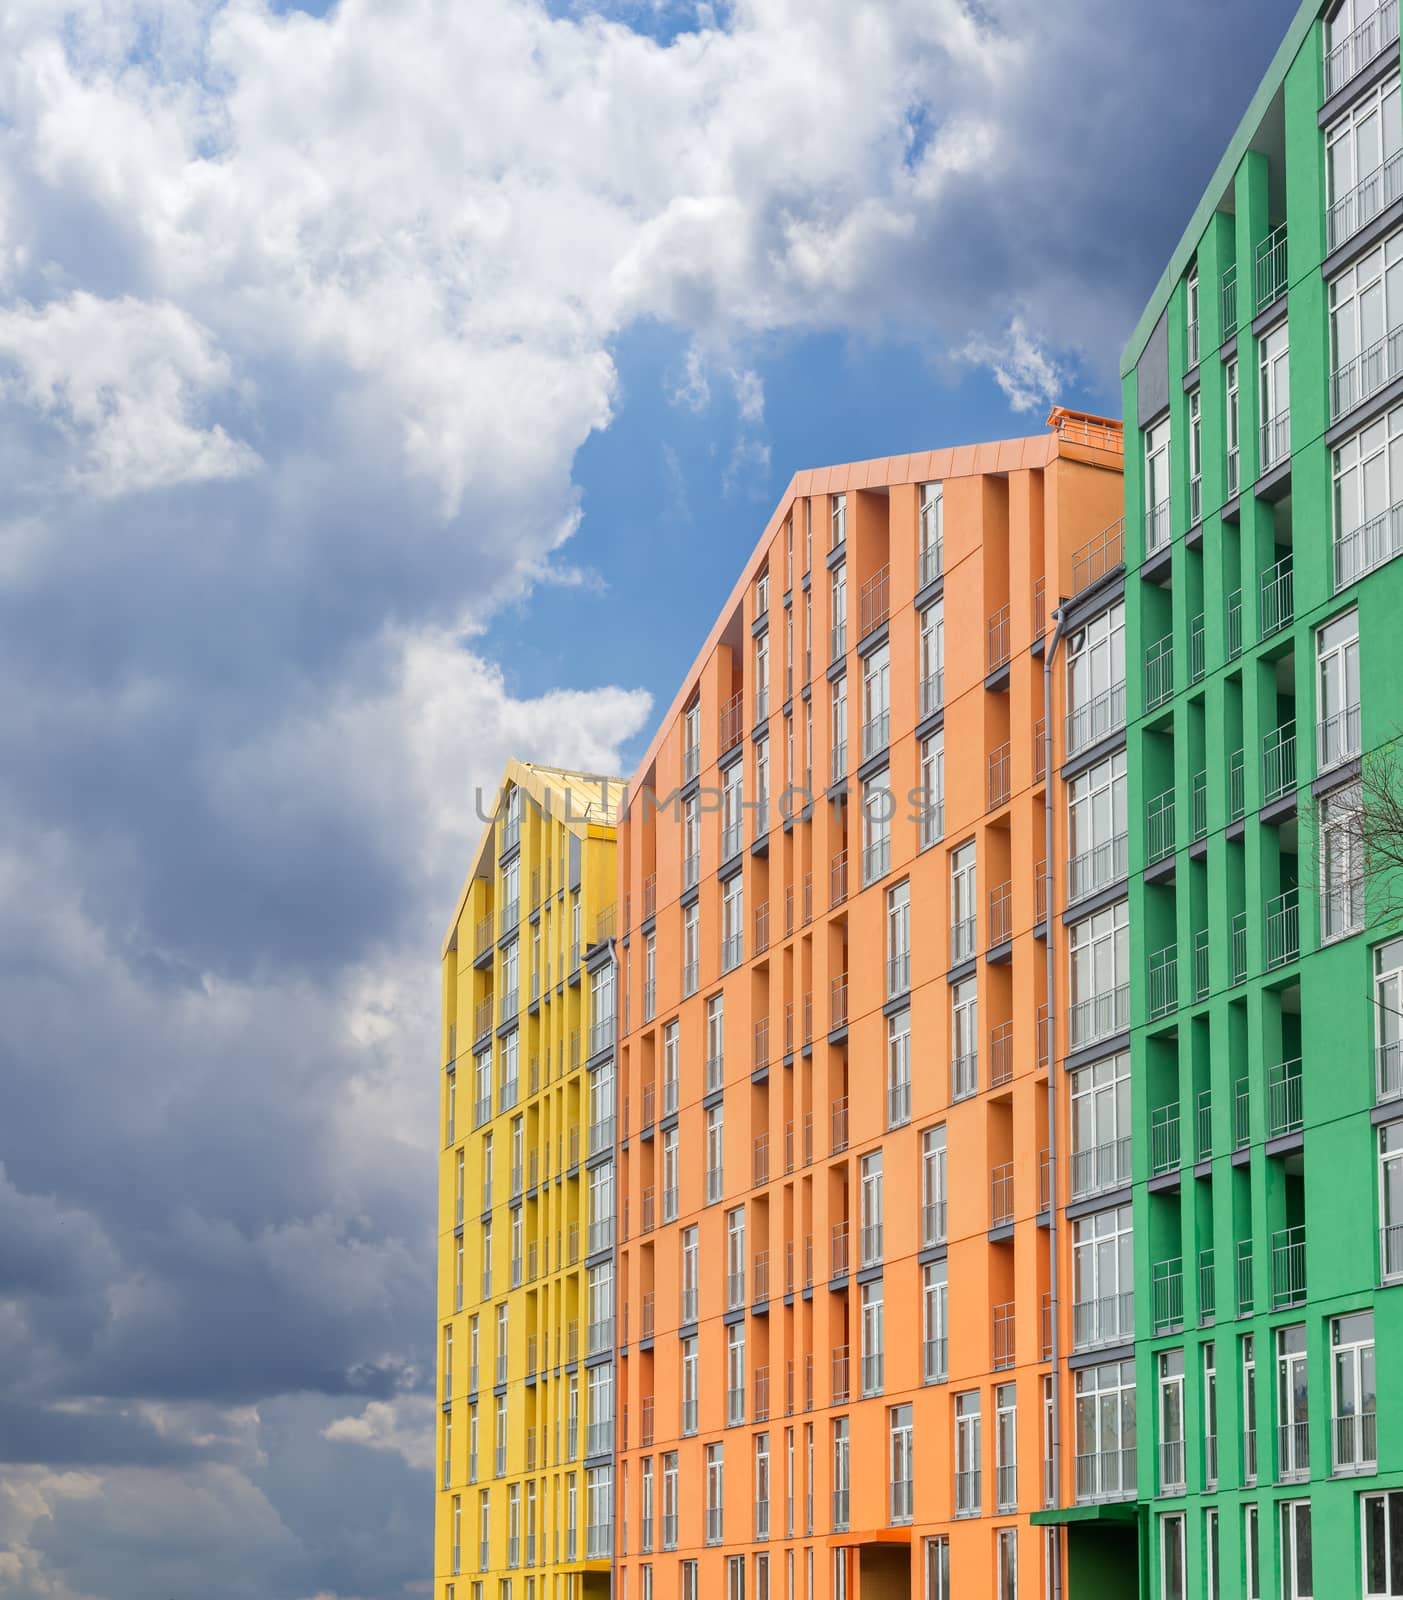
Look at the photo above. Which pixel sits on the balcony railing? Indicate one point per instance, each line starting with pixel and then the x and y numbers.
pixel 1292 1451
pixel 838 1125
pixel 933 1222
pixel 1275 439
pixel 1366 374
pixel 1277 597
pixel 1238 941
pixel 1164 1139
pixel 1356 1442
pixel 876 734
pixel 1000 1055
pixel 732 722
pixel 1157 526
pixel 1101 716
pixel 1097 867
pixel 1283 928
pixel 967 1493
pixel 1105 1475
pixel 1171 1466
pixel 1167 1288
pixel 1360 550
pixel 1284 1099
pixel 1004 1342
pixel 1288 1268
pixel 873 602
pixel 1207 1287
pixel 997 651
pixel 1357 207
pixel 1271 267
pixel 840 1510
pixel 1000 769
pixel 964 1074
pixel 1229 297
pixel 841 1380
pixel 1099 1015
pixel 1104 1166
pixel 1098 556
pixel 1159 827
pixel 1246 1294
pixel 1001 1195
pixel 1107 1319
pixel 1388 1063
pixel 1234 624
pixel 1202 969
pixel 1337 737
pixel 1360 46
pixel 838 1256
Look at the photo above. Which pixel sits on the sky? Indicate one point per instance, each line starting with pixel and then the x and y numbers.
pixel 387 389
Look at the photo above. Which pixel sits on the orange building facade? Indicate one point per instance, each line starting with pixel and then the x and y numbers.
pixel 837 1301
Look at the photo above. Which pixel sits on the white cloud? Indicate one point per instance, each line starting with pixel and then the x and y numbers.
pixel 405 1426
pixel 1028 376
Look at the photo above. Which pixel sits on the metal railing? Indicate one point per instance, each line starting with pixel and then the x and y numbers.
pixel 1242 1114
pixel 1201 965
pixel 1000 1054
pixel 930 563
pixel 1234 624
pixel 1366 374
pixel 838 1125
pixel 1104 1166
pixel 964 1074
pixel 876 734
pixel 1101 716
pixel 1102 864
pixel 1337 737
pixel 1099 1015
pixel 1164 981
pixel 1275 439
pixel 840 1377
pixel 967 1493
pixel 1167 1292
pixel 1279 762
pixel 1159 827
pixel 1292 1450
pixel 1207 1287
pixel 731 722
pixel 1107 1319
pixel 1004 1341
pixel 1356 1442
pixel 1360 550
pixel 1271 267
pixel 1283 928
pixel 1105 1475
pixel 1098 556
pixel 1277 597
pixel 997 649
pixel 1246 1294
pixel 1229 298
pixel 1159 672
pixel 1164 1139
pixel 1000 768
pixel 1357 207
pixel 1284 1099
pixel 1001 1195
pixel 873 602
pixel 876 860
pixel 1171 1466
pixel 1288 1268
pixel 1388 1065
pixel 1238 939
pixel 1157 526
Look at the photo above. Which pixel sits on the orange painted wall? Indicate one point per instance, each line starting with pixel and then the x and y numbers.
pixel 1013 513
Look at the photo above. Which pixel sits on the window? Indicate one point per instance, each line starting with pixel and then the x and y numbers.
pixel 762 677
pixel 762 787
pixel 1251 1552
pixel 1337 689
pixel 690 1280
pixel 735 1375
pixel 1105 1431
pixel 1097 831
pixel 870 1187
pixel 1101 1126
pixel 839 731
pixel 1383 1544
pixel 1233 423
pixel 482 1088
pixel 732 922
pixel 1366 312
pixel 691 1583
pixel 840 520
pixel 507 1095
pixel 932 645
pixel 967 1454
pixel 691 949
pixel 932 534
pixel 715 1153
pixel 732 810
pixel 689 1386
pixel 601 1208
pixel 1275 396
pixel 1388 1019
pixel 735 1258
pixel 1341 863
pixel 1249 1409
pixel 715 1492
pixel 715 1041
pixel 840 1474
pixel 964 1039
pixel 898 940
pixel 1210 1415
pixel 873 1338
pixel 670 1501
pixel 1170 1365
pixel 1006 1447
pixel 1368 477
pixel 964 903
pixel 601 1307
pixel 1292 1404
pixel 670 1164
pixel 935 1322
pixel 1355 32
pixel 735 1578
pixel 447 1447
pixel 876 828
pixel 1008 1563
pixel 1100 982
pixel 601 1108
pixel 1171 1558
pixel 762 1486
pixel 876 702
pixel 1355 1394
pixel 937 1565
pixel 1096 679
pixel 1191 318
pixel 899 1069
pixel 1362 162
pixel 1157 487
pixel 599 1502
pixel 931 807
pixel 899 1464
pixel 1103 1276
pixel 1297 1581
pixel 933 1195
pixel 838 611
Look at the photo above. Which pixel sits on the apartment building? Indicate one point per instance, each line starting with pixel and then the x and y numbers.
pixel 525 1438
pixel 1264 492
pixel 834 962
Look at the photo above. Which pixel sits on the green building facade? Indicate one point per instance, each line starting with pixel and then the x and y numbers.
pixel 1263 396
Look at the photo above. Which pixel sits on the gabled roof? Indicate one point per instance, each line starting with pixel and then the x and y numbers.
pixel 1301 25
pixel 582 801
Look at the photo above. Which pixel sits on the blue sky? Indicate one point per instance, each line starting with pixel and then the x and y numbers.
pixel 387 389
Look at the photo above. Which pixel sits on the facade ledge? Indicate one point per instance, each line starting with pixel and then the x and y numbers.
pixel 668 1123
pixel 1242 1156
pixel 1156 568
pixel 1204 1168
pixel 715 1098
pixel 1093 1511
pixel 1367 411
pixel 837 669
pixel 1286 1144
pixel 898 1002
pixel 1235 829
pixel 1336 778
pixel 1104 1352
pixel 932 592
pixel 1002 1234
pixel 1266 320
pixel 1106 1200
pixel 837 555
pixel 760 1075
pixel 1075 765
pixel 484 957
pixel 761 1308
pixel 731 1318
pixel 1165 1182
pixel 645 1133
pixel 689 897
pixel 963 970
pixel 1282 809
pixel 838 1283
pixel 1000 954
pixel 1193 537
pixel 1358 244
pixel 760 846
pixel 874 640
pixel 687 1330
pixel 1092 600
pixel 1191 379
pixel 1198 850
pixel 1231 509
pixel 938 1252
pixel 1096 1050
pixel 997 680
pixel 872 1274
pixel 601 1359
pixel 599 1158
pixel 838 1035
pixel 728 758
pixel 931 724
pixel 730 867
pixel 1089 904
pixel 596 955
pixel 1161 871
pixel 1389 1111
pixel 760 625
pixel 1228 349
pixel 1275 483
pixel 874 764
pixel 1368 77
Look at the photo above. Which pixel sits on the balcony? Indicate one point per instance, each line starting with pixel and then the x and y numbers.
pixel 932 693
pixel 1274 445
pixel 1105 1320
pixel 1246 1296
pixel 1337 737
pixel 964 935
pixel 1238 944
pixel 933 1222
pixel 840 1510
pixel 997 651
pixel 1292 1451
pixel 1234 624
pixel 1271 267
pixel 1164 982
pixel 964 1074
pixel 1101 865
pixel 1358 207
pixel 1283 928
pixel 1207 1287
pixel 872 1372
pixel 1388 1064
pixel 873 602
pixel 1098 556
pixel 1001 1195
pixel 1157 527
pixel 1164 1140
pixel 901 1500
pixel 1284 1099
pixel 1288 1268
pixel 1171 1466
pixel 732 722
pixel 1360 550
pixel 838 1254
pixel 1229 299
pixel 762 1395
pixel 1159 827
pixel 841 1380
pixel 1000 769
pixel 1356 1442
pixel 838 1002
pixel 1099 1016
pixel 1100 717
pixel 930 563
pixel 601 1035
pixel 1167 1292
pixel 1104 1166
pixel 967 1493
pixel 760 1161
pixel 1001 1055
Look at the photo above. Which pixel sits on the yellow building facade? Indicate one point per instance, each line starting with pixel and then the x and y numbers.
pixel 524 1490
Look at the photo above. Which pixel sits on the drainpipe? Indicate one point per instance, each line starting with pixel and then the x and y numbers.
pixel 1048 820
